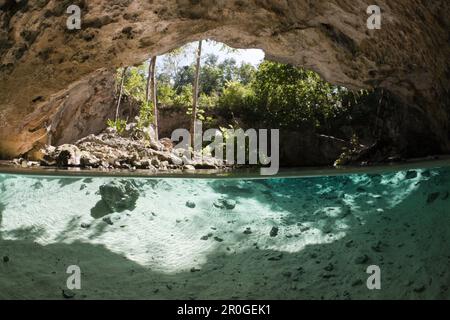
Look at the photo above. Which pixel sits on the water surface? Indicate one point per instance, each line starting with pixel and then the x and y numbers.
pixel 240 238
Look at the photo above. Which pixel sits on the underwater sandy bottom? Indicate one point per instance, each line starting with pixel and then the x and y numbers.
pixel 297 238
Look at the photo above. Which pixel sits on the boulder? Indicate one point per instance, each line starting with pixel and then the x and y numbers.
pixel 119 195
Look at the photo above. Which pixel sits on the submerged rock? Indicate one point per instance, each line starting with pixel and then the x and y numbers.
pixel 356 283
pixel 329 267
pixel 432 197
pixel 419 288
pixel 108 220
pixel 119 196
pixel 229 204
pixel 113 218
pixel 68 294
pixel 85 225
pixel 412 174
pixel 276 258
pixel 362 259
pixel 190 204
pixel 218 204
pixel 225 204
pixel 274 232
pixel 379 246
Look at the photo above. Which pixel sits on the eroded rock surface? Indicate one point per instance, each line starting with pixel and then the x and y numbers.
pixel 135 148
pixel 40 57
pixel 69 115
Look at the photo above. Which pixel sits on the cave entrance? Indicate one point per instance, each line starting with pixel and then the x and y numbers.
pixel 239 88
pixel 223 73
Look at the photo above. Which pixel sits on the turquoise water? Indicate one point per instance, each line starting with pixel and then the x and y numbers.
pixel 277 238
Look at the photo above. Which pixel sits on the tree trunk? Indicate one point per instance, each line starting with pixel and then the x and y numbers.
pixel 148 88
pixel 154 100
pixel 195 91
pixel 121 92
pixel 151 92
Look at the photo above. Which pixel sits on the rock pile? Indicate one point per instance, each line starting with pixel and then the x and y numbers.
pixel 135 148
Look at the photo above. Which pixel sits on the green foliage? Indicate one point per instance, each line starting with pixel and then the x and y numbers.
pixel 136 82
pixel 205 104
pixel 345 157
pixel 246 73
pixel 236 96
pixel 176 91
pixel 118 125
pixel 214 75
pixel 135 86
pixel 166 94
pixel 273 95
pixel 284 96
pixel 208 101
pixel 210 79
pixel 184 98
pixel 288 95
pixel 230 136
pixel 184 77
pixel 145 115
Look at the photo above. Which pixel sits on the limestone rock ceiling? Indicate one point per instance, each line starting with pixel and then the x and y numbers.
pixel 409 56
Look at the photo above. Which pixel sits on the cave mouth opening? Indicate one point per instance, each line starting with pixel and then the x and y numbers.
pixel 241 89
pixel 320 123
pixel 43 56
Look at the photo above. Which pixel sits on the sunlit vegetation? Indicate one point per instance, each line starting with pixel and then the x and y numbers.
pixel 272 94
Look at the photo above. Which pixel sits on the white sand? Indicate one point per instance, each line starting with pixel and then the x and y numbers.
pixel 148 253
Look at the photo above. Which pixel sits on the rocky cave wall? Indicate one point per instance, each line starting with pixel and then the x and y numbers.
pixel 40 58
pixel 77 111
